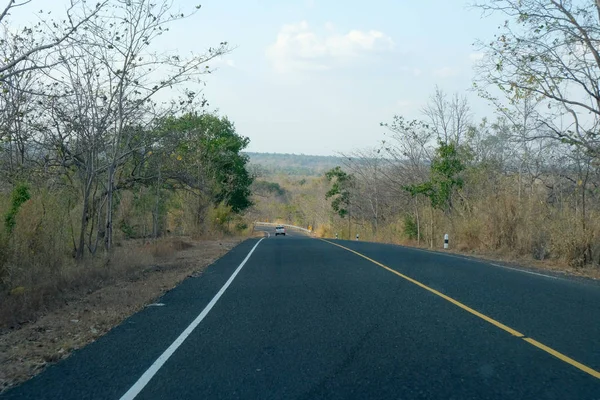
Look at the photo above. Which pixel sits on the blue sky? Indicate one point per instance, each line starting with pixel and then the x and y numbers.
pixel 318 76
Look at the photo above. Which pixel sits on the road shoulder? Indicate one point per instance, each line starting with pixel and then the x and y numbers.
pixel 27 351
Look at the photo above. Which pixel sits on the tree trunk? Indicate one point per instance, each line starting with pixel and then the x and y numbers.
pixel 349 228
pixel 84 217
pixel 418 221
pixel 155 216
pixel 108 238
pixel 587 252
pixel 81 247
pixel 520 178
pixel 432 232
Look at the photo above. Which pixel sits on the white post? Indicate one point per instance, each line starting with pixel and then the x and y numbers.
pixel 446 241
pixel 336 235
pixel 357 237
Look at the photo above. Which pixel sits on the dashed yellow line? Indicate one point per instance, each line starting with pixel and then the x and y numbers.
pixel 492 321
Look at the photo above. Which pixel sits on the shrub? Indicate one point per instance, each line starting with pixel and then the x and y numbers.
pixel 20 195
pixel 410 227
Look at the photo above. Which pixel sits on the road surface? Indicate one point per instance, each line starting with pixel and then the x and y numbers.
pixel 304 318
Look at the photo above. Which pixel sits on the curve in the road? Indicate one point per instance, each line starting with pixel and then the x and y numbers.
pixel 492 321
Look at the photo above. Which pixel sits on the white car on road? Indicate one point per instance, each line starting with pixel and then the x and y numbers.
pixel 279 230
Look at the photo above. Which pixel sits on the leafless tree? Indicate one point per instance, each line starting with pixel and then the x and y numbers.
pixel 136 74
pixel 103 101
pixel 37 42
pixel 449 119
pixel 369 170
pixel 549 50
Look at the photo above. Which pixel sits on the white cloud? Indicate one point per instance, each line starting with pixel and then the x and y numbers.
pixel 300 47
pixel 409 108
pixel 445 72
pixel 405 104
pixel 222 62
pixel 416 72
pixel 474 57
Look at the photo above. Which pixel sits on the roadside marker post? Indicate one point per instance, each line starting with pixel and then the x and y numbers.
pixel 357 237
pixel 446 241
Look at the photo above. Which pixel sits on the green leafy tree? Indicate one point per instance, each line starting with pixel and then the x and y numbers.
pixel 20 195
pixel 203 151
pixel 446 168
pixel 340 190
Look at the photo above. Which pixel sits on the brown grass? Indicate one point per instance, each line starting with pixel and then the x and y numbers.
pixel 44 325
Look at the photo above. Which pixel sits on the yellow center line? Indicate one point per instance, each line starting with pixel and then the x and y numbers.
pixel 492 321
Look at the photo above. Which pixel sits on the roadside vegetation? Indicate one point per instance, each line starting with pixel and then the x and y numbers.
pixel 522 183
pixel 106 142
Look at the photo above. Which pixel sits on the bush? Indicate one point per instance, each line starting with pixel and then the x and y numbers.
pixel 127 230
pixel 20 195
pixel 40 245
pixel 410 229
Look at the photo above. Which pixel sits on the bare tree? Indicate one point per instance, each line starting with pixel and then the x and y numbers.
pixel 136 74
pixel 408 153
pixel 38 41
pixel 104 100
pixel 368 168
pixel 549 49
pixel 18 113
pixel 449 119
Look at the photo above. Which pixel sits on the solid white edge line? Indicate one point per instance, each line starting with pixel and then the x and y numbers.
pixel 524 271
pixel 147 376
pixel 483 261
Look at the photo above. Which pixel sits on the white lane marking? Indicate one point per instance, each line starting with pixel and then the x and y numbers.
pixel 485 262
pixel 524 271
pixel 147 376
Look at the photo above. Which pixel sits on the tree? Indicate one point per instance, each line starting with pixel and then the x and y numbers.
pixel 98 103
pixel 138 75
pixel 444 179
pixel 18 115
pixel 409 153
pixel 340 191
pixel 204 152
pixel 547 50
pixel 30 48
pixel 368 169
pixel 449 119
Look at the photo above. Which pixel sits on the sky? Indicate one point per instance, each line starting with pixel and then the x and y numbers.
pixel 318 76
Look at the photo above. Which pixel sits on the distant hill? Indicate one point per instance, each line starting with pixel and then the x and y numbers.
pixel 292 164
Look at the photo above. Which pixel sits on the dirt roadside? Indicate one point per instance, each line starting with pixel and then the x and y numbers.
pixel 26 351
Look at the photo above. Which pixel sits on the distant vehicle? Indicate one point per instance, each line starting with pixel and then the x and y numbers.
pixel 279 230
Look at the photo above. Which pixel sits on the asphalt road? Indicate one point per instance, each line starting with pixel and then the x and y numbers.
pixel 307 319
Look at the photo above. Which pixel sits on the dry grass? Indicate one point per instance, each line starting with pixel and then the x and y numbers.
pixel 501 229
pixel 90 300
